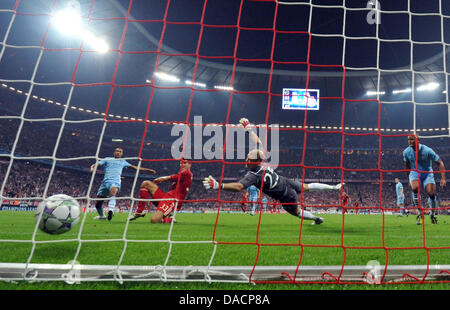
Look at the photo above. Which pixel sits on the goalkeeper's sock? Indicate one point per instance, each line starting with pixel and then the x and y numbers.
pixel 306 215
pixel 143 194
pixel 320 187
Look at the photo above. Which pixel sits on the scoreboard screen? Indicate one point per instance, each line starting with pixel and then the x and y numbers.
pixel 300 99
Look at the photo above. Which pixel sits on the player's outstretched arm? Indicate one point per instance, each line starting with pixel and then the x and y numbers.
pixel 93 167
pixel 442 170
pixel 162 179
pixel 143 169
pixel 246 124
pixel 211 183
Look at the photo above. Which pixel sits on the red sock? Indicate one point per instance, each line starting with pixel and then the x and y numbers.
pixel 143 194
pixel 167 220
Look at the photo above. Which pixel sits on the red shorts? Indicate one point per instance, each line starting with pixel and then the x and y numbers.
pixel 165 206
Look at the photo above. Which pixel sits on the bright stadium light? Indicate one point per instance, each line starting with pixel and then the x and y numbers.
pixel 401 91
pixel 428 87
pixel 188 82
pixel 101 46
pixel 69 22
pixel 166 77
pixel 373 92
pixel 97 44
pixel 223 87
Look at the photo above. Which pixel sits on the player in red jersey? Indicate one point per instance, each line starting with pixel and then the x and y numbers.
pixel 346 201
pixel 244 202
pixel 356 205
pixel 166 202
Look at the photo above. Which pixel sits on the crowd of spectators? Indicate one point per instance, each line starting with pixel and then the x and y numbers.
pixel 51 157
pixel 28 181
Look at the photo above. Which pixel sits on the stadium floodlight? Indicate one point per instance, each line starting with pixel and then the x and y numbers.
pixel 166 77
pixel 188 82
pixel 98 44
pixel 428 87
pixel 401 91
pixel 69 22
pixel 373 92
pixel 222 87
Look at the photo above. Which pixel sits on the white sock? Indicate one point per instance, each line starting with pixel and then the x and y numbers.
pixel 112 203
pixel 321 187
pixel 306 215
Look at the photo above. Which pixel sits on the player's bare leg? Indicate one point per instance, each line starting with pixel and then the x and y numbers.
pixel 157 217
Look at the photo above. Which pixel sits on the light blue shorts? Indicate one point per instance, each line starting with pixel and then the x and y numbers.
pixel 425 178
pixel 401 201
pixel 253 198
pixel 105 188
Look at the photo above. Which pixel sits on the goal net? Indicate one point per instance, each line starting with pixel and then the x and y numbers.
pixel 333 88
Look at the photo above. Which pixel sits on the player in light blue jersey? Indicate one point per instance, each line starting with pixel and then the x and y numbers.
pixel 111 183
pixel 253 192
pixel 264 203
pixel 400 197
pixel 426 157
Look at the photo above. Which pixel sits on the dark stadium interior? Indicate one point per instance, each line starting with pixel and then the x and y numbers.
pixel 357 138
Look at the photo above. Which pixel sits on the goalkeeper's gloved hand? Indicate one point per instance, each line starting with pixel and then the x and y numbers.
pixel 244 122
pixel 211 183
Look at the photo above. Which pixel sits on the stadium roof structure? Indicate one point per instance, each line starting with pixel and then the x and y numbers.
pixel 253 70
pixel 398 76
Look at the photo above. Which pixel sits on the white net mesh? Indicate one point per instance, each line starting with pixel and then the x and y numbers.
pixel 66 104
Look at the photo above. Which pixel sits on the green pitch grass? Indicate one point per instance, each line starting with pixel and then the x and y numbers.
pixel 357 239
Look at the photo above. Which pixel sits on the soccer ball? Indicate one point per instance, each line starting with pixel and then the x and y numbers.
pixel 59 214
